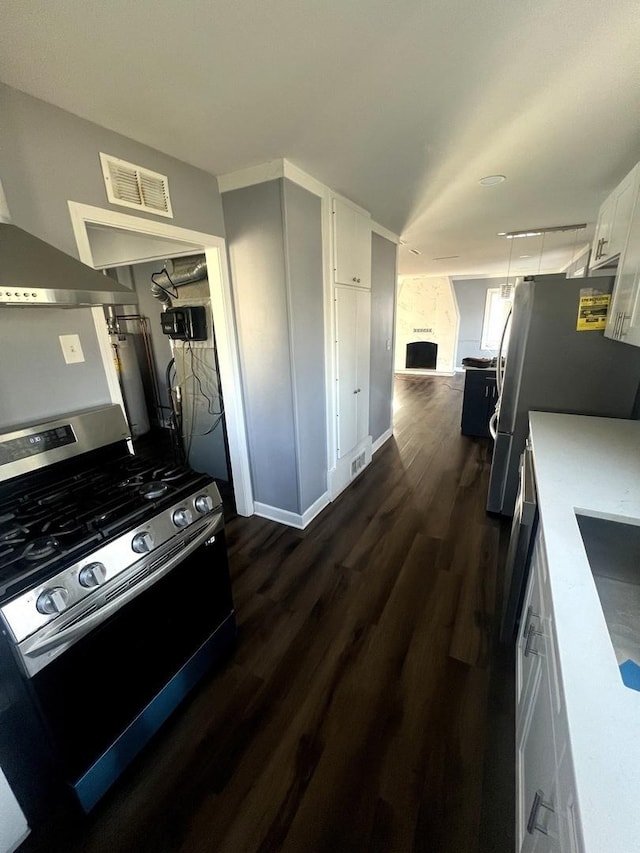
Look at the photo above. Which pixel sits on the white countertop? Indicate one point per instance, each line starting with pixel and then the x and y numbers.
pixel 591 465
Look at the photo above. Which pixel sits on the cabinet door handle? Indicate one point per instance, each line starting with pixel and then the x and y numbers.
pixel 358 281
pixel 528 648
pixel 356 391
pixel 537 804
pixel 530 633
pixel 602 251
pixel 486 390
pixel 354 278
pixel 598 249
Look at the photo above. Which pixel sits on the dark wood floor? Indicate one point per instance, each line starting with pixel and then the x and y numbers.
pixel 354 713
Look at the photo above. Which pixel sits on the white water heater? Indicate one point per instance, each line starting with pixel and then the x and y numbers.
pixel 128 369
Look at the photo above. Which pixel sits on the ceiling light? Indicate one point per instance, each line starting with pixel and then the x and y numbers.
pixel 492 180
pixel 556 229
pixel 525 256
pixel 415 252
pixel 446 257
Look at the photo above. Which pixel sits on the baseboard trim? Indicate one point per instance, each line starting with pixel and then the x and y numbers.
pixel 292 519
pixel 377 444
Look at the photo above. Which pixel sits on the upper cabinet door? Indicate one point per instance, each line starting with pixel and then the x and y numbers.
pixel 623 320
pixel 352 245
pixel 614 220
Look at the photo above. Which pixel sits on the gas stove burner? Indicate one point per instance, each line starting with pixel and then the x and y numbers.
pixel 40 548
pixel 153 490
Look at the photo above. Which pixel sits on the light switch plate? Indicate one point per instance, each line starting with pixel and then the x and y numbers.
pixel 71 348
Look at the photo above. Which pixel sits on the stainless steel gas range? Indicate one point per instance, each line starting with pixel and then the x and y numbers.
pixel 115 596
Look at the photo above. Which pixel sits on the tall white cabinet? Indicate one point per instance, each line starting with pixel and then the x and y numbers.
pixel 353 321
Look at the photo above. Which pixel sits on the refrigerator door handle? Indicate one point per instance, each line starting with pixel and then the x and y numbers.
pixel 493 425
pixel 500 369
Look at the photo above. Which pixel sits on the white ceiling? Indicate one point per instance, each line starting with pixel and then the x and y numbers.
pixel 401 106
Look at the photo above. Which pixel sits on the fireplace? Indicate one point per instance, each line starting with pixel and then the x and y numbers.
pixel 422 354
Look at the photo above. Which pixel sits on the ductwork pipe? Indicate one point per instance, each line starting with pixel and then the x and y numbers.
pixel 176 273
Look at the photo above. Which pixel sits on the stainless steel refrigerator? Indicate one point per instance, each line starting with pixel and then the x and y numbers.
pixel 551 367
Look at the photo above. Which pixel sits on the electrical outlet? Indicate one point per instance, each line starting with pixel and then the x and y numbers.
pixel 71 348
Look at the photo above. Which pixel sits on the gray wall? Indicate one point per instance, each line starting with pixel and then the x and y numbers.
pixel 35 382
pixel 275 250
pixel 470 296
pixel 303 236
pixel 383 300
pixel 47 157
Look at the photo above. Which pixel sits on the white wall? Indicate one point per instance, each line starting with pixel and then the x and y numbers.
pixel 426 302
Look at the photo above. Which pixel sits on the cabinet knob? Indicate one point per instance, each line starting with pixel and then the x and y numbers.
pixel 354 279
pixel 358 281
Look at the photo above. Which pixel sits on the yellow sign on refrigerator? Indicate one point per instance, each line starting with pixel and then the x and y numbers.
pixel 592 312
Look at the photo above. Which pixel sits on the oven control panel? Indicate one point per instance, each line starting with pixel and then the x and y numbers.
pixel 35 608
pixel 39 442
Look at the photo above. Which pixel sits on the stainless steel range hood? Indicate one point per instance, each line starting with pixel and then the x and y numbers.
pixel 34 273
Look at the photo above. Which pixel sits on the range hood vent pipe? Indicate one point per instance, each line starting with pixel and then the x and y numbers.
pixel 175 274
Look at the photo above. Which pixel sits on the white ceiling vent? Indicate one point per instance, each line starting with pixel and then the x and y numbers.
pixel 132 186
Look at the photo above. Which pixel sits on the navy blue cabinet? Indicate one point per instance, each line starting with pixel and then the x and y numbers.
pixel 479 401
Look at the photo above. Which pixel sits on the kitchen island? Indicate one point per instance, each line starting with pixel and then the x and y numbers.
pixel 585 468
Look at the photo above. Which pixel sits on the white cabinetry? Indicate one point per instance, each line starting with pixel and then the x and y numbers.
pixel 351 245
pixel 614 218
pixel 623 321
pixel 353 318
pixel 546 812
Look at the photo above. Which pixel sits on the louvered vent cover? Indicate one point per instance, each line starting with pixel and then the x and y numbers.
pixel 132 186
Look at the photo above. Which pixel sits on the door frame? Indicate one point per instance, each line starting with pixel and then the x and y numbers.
pixel 214 248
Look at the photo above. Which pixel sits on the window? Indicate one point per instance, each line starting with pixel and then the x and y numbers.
pixel 496 309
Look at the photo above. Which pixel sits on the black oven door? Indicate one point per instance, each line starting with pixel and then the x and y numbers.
pixel 107 694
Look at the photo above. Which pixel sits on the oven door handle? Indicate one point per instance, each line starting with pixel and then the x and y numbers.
pixel 39 646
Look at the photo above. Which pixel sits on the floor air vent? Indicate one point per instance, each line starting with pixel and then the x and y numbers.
pixel 132 186
pixel 357 464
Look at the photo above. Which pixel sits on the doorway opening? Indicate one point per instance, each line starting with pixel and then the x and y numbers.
pixel 192 398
